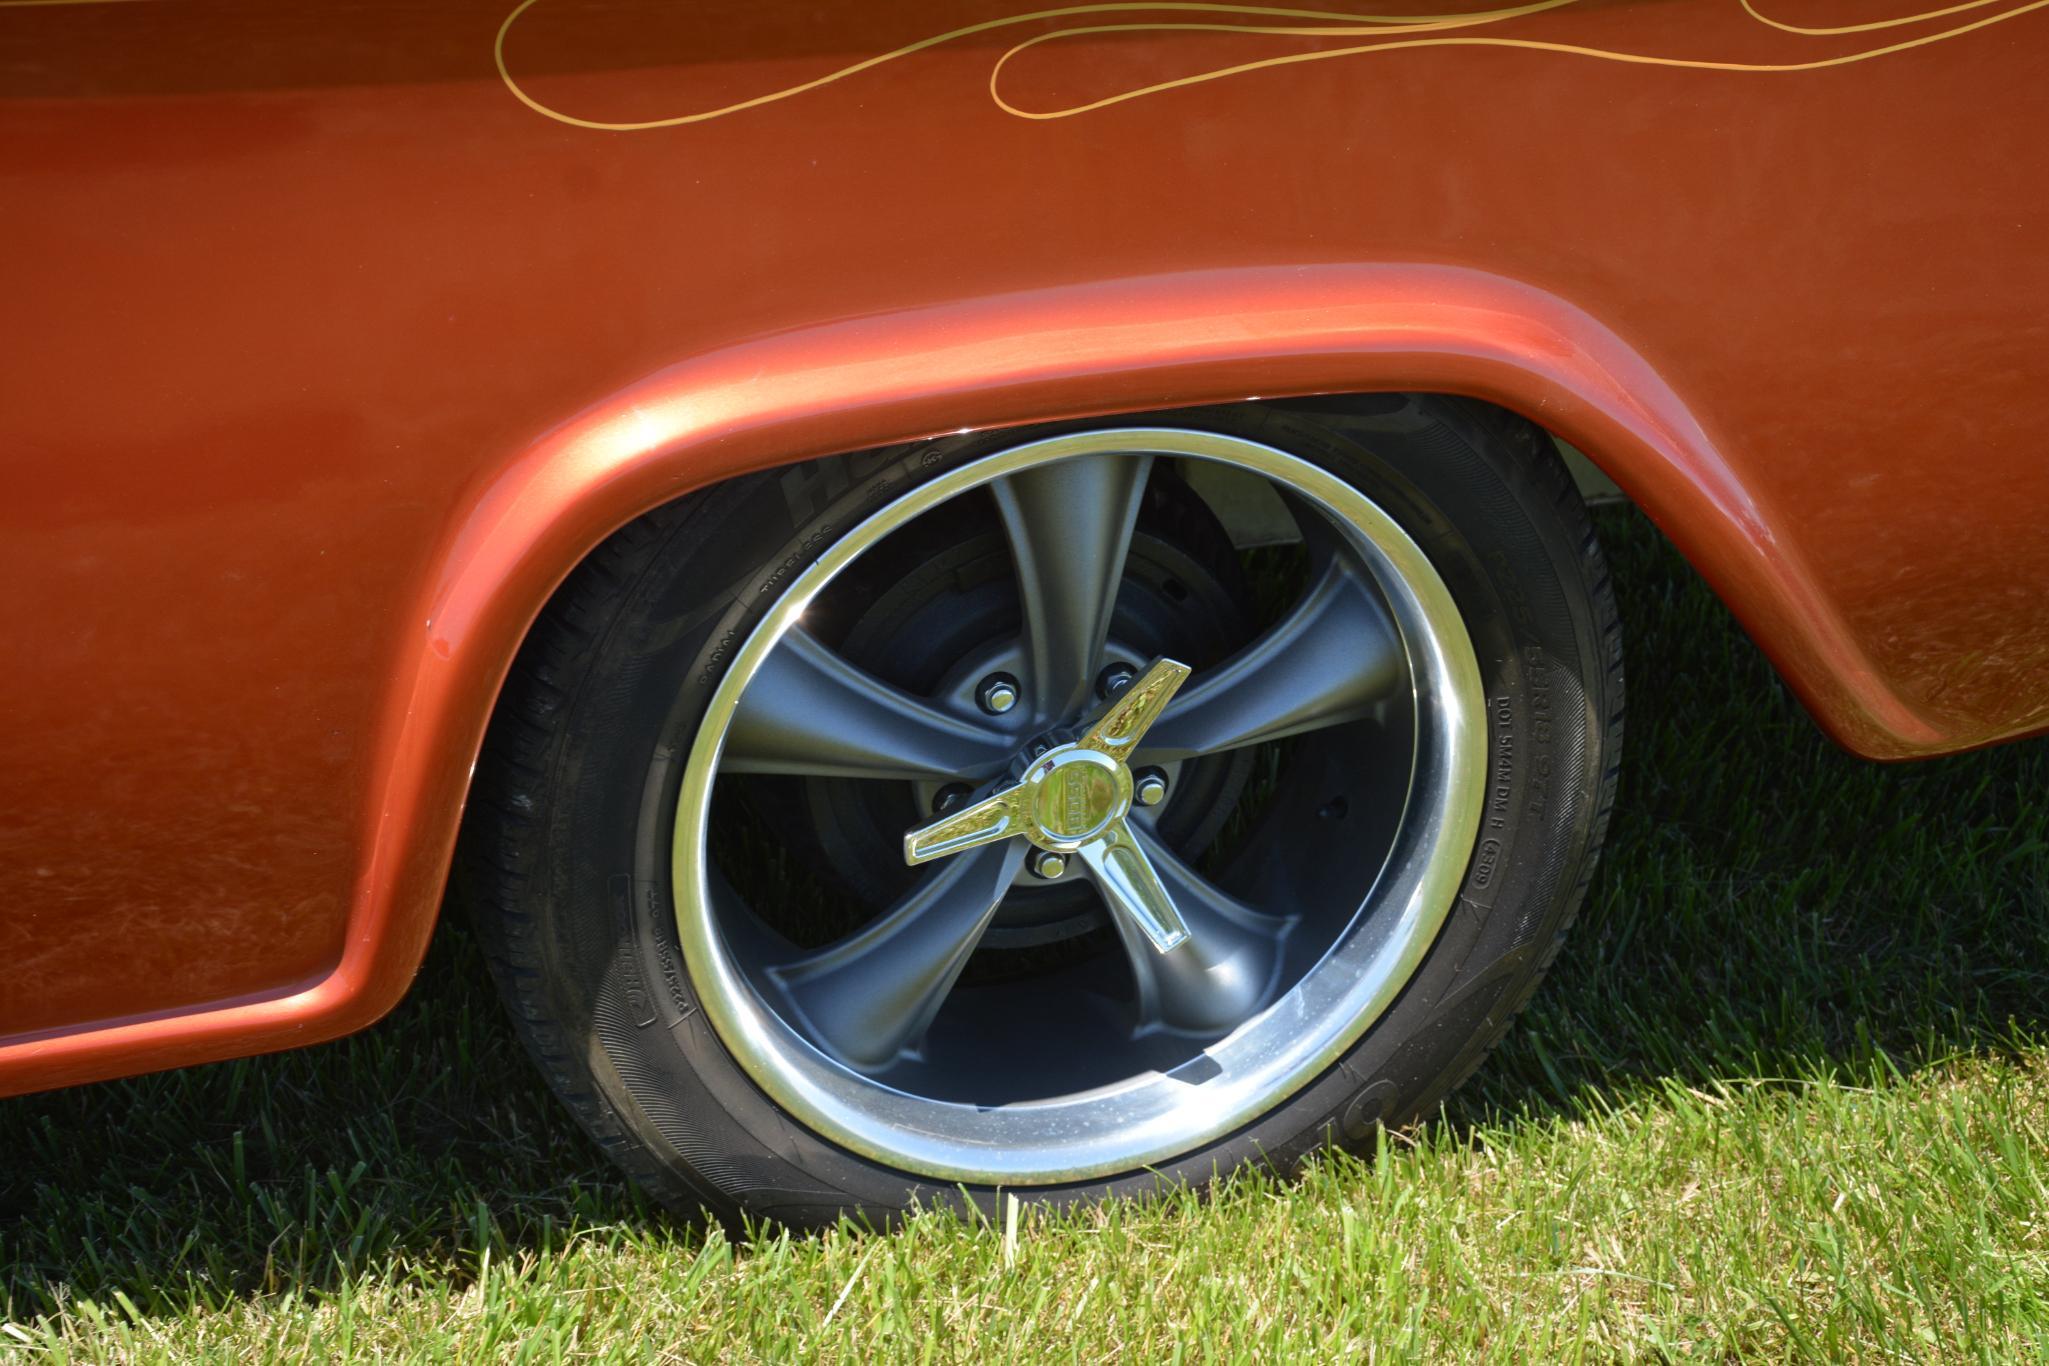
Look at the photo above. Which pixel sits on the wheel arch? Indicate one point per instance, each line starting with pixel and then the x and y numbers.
pixel 1127 346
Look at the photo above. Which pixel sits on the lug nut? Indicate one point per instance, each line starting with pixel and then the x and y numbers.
pixel 949 798
pixel 1047 864
pixel 1114 679
pixel 1149 786
pixel 996 694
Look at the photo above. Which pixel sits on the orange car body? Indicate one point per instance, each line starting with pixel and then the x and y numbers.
pixel 336 334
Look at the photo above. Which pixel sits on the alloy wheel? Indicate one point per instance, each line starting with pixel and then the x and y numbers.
pixel 1049 756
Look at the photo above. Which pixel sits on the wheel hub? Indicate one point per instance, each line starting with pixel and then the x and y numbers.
pixel 1072 795
pixel 934 611
pixel 1074 799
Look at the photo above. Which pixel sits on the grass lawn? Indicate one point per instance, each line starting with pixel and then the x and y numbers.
pixel 1785 1093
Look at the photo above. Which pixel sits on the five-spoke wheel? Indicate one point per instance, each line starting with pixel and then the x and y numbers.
pixel 1057 811
pixel 1085 1064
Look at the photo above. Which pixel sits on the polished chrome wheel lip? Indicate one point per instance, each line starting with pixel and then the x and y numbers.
pixel 1151 1118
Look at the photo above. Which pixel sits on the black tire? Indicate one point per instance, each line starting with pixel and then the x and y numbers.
pixel 566 850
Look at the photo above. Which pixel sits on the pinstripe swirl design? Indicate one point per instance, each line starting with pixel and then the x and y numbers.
pixel 1382 34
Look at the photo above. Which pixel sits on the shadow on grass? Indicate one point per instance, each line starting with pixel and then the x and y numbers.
pixel 1769 907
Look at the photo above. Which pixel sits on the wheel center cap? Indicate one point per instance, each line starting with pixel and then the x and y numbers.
pixel 1074 794
pixel 1072 798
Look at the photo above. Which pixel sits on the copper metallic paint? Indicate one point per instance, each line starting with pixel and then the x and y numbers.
pixel 327 358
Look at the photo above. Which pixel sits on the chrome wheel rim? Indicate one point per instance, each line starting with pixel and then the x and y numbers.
pixel 1263 1015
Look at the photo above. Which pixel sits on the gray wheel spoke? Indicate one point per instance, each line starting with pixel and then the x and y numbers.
pixel 869 996
pixel 1330 660
pixel 1069 525
pixel 1221 973
pixel 808 711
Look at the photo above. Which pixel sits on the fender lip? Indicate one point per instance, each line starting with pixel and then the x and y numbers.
pixel 1104 349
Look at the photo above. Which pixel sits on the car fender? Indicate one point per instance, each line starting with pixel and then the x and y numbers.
pixel 1081 350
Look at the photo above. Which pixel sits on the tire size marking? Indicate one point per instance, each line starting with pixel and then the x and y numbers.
pixel 1500 788
pixel 1502 784
pixel 657 933
pixel 639 1006
pixel 1538 673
